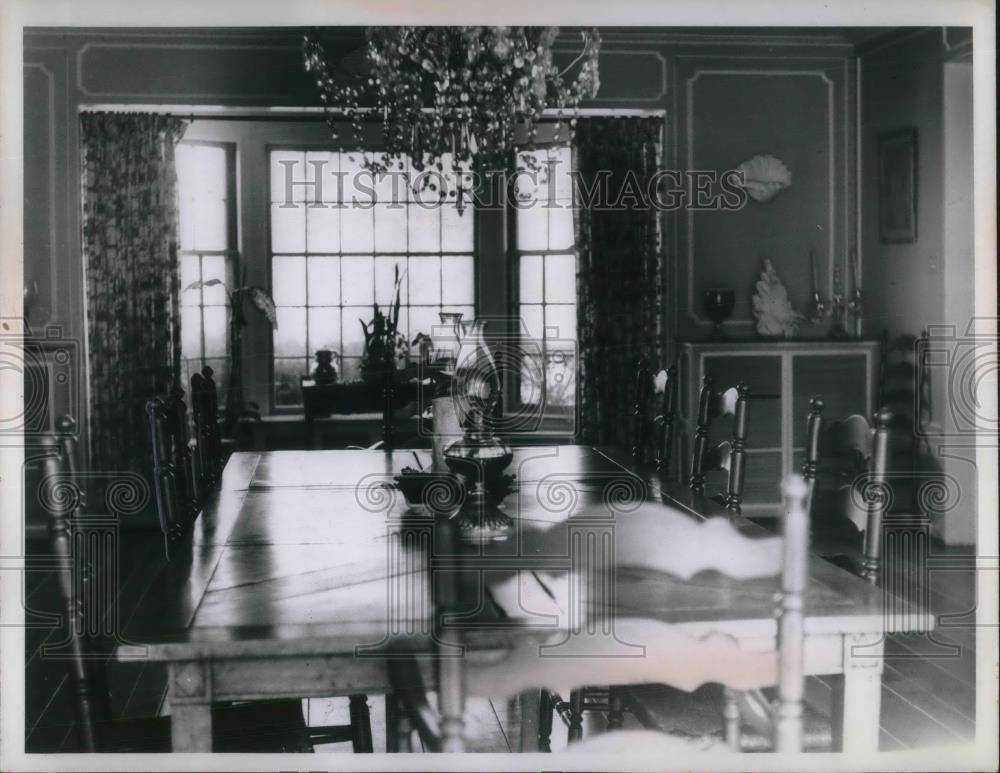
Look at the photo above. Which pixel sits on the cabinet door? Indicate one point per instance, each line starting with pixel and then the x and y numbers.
pixel 762 374
pixel 842 380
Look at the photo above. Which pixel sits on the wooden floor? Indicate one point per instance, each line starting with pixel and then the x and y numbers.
pixel 928 693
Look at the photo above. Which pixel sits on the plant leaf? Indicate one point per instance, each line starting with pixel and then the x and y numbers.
pixel 203 283
pixel 263 301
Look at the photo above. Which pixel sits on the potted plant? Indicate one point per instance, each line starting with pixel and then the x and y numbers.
pixel 261 300
pixel 384 343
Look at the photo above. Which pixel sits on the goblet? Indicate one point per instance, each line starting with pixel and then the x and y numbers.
pixel 717 304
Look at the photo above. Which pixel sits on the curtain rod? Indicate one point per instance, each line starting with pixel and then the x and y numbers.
pixel 224 112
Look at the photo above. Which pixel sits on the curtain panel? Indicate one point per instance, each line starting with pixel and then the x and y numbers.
pixel 130 251
pixel 620 280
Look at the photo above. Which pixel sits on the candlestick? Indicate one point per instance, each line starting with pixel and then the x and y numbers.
pixel 837 309
pixel 852 263
pixel 854 305
pixel 816 306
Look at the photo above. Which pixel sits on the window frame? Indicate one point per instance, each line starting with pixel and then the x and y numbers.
pixel 230 255
pixel 554 418
pixel 371 147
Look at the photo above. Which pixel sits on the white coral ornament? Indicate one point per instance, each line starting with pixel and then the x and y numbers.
pixel 771 307
pixel 764 177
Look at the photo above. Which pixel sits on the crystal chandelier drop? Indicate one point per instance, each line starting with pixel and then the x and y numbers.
pixel 453 98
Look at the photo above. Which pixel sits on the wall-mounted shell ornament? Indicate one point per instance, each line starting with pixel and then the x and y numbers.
pixel 764 177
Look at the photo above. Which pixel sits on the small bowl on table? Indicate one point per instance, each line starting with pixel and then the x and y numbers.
pixel 430 493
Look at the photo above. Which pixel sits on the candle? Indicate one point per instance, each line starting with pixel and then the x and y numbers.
pixel 812 264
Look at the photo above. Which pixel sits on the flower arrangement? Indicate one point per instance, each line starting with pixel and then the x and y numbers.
pixel 457 92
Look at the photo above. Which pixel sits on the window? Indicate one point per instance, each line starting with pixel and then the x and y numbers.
pixel 334 249
pixel 546 258
pixel 206 191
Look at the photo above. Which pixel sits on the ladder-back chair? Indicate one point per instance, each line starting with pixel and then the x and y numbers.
pixel 729 455
pixel 176 477
pixel 654 417
pixel 273 726
pixel 846 466
pixel 650 538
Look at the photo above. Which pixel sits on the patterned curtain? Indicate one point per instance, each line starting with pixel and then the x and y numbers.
pixel 130 252
pixel 620 284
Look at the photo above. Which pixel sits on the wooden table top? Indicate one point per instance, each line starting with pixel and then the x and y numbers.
pixel 299 552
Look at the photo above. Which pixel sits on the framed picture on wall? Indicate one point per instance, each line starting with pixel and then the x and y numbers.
pixel 897 186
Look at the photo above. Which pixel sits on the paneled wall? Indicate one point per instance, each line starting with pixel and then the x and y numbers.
pixel 799 109
pixel 726 96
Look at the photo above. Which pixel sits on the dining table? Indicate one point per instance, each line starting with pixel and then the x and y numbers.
pixel 307 570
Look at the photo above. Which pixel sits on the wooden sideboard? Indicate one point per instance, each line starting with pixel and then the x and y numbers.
pixel 782 377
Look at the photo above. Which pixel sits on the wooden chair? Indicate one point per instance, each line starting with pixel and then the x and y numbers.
pixel 274 726
pixel 904 388
pixel 814 435
pixel 214 449
pixel 641 430
pixel 654 415
pixel 657 431
pixel 729 455
pixel 648 538
pixel 176 476
pixel 666 420
pixel 847 463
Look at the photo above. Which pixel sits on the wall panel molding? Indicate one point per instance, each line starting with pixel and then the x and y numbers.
pixel 48 252
pixel 656 62
pixel 96 79
pixel 692 307
pixel 831 74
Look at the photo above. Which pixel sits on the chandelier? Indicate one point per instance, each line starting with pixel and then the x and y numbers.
pixel 455 98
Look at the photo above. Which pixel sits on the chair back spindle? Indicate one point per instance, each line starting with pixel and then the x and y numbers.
pixel 814 433
pixel 667 420
pixel 165 481
pixel 877 497
pixel 211 418
pixel 791 632
pixel 697 481
pixel 640 430
pixel 183 451
pixel 737 469
pixel 200 453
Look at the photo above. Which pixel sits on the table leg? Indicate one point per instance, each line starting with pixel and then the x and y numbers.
pixel 361 734
pixel 575 732
pixel 398 731
pixel 858 701
pixel 616 709
pixel 190 707
pixel 530 703
pixel 191 727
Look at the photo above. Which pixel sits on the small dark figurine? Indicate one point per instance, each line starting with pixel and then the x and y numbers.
pixel 325 371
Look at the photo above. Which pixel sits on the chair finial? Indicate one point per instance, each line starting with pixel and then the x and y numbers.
pixel 883 417
pixel 794 488
pixel 66 425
